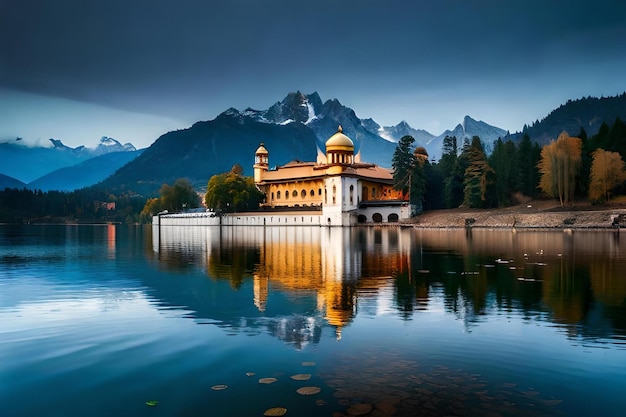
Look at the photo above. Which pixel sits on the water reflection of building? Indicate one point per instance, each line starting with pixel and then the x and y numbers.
pixel 330 264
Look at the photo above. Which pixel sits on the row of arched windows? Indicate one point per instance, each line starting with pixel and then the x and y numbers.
pixel 378 218
pixel 294 194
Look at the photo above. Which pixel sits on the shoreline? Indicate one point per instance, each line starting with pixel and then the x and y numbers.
pixel 543 216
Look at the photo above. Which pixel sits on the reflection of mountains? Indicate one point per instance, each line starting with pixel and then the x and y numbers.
pixel 571 279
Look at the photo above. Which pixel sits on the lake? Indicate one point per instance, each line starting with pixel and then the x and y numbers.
pixel 129 320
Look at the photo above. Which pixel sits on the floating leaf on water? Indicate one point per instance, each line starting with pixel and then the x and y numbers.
pixel 152 403
pixel 320 402
pixel 308 390
pixel 360 409
pixel 308 363
pixel 301 377
pixel 267 380
pixel 250 374
pixel 386 408
pixel 219 387
pixel 276 411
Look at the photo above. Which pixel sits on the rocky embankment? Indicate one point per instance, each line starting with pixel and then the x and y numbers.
pixel 538 215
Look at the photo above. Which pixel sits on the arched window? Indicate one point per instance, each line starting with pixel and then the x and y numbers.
pixel 334 194
pixel 373 192
pixel 294 193
pixel 365 194
pixel 392 218
pixel 351 194
pixel 361 218
pixel 377 218
pixel 303 193
pixel 278 195
pixel 319 191
pixel 313 192
pixel 287 195
pixel 272 195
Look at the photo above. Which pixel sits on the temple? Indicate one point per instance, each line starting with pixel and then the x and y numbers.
pixel 345 190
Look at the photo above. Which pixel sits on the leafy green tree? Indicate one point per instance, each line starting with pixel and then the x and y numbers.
pixel 152 207
pixel 231 191
pixel 178 197
pixel 479 177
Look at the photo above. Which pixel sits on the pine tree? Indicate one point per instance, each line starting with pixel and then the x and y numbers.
pixel 528 158
pixel 504 162
pixel 452 168
pixel 479 177
pixel 403 162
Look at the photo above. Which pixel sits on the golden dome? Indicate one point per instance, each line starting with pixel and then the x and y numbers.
pixel 261 150
pixel 339 141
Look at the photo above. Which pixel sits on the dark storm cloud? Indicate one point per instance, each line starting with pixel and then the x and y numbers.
pixel 166 56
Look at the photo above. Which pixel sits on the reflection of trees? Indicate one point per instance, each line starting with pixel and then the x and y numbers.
pixel 610 291
pixel 574 277
pixel 567 291
pixel 233 262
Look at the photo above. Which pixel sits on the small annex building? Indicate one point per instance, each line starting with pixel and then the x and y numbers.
pixel 345 190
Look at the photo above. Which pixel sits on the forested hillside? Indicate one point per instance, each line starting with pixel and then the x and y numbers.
pixel 587 113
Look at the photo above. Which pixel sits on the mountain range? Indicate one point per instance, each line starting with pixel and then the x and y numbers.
pixel 60 167
pixel 294 128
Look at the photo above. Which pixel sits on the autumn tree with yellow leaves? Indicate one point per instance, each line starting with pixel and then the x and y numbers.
pixel 559 166
pixel 607 172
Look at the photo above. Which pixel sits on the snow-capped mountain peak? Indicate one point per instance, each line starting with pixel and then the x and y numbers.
pixel 395 133
pixel 108 145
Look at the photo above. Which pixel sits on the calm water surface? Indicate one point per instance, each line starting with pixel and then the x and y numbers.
pixel 98 320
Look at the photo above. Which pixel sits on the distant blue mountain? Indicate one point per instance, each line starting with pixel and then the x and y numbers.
pixel 84 174
pixel 10 182
pixel 29 163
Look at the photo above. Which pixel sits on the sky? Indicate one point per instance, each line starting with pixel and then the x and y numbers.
pixel 77 70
